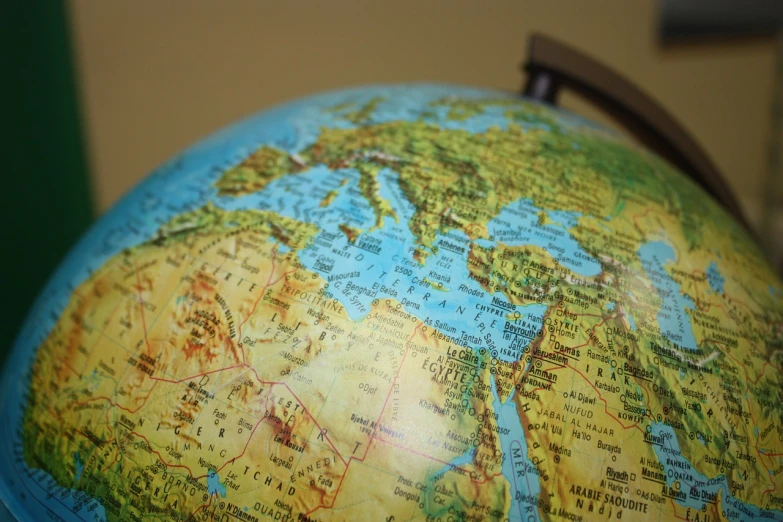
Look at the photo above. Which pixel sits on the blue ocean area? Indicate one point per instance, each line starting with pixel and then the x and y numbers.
pixel 673 320
pixel 393 245
pixel 518 225
pixel 697 488
pixel 331 253
pixel 517 468
pixel 566 219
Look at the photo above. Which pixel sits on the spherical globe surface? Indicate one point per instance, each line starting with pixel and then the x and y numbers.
pixel 403 303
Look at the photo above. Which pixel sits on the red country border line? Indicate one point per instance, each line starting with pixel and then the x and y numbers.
pixel 307 411
pixel 272 383
pixel 269 284
pixel 375 429
pixel 373 437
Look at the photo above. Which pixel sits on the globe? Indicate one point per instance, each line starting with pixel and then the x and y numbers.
pixel 416 302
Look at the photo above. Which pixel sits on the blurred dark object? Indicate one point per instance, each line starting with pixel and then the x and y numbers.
pixel 772 220
pixel 712 19
pixel 46 202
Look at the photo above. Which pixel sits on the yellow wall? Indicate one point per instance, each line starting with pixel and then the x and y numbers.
pixel 156 76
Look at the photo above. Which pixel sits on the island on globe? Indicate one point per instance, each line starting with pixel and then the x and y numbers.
pixel 407 303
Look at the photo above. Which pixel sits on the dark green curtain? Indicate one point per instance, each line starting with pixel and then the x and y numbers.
pixel 46 202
